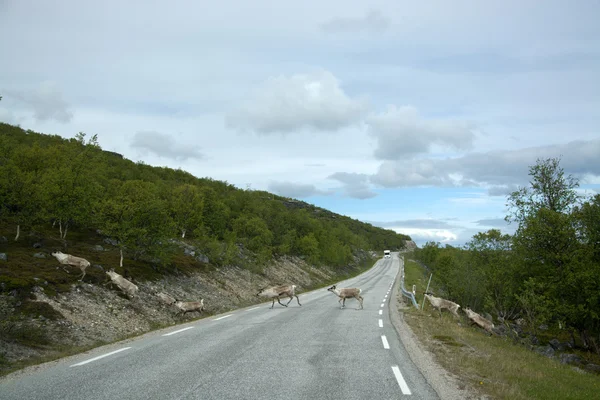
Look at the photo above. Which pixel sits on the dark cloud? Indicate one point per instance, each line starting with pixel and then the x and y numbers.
pixel 492 222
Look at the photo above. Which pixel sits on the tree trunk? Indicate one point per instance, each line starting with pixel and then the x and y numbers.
pixel 183 233
pixel 66 228
pixel 18 232
pixel 121 262
pixel 583 334
pixel 60 227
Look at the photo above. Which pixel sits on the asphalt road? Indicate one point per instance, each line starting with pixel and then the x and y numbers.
pixel 315 351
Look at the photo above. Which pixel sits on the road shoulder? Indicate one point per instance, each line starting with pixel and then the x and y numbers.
pixel 445 384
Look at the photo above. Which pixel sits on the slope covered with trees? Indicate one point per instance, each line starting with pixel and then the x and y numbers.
pixel 547 273
pixel 73 185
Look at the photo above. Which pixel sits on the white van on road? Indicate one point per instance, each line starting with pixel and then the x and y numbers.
pixel 386 254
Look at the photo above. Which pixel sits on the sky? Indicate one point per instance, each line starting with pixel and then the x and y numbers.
pixel 415 116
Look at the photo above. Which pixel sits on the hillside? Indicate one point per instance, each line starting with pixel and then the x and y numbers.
pixel 163 229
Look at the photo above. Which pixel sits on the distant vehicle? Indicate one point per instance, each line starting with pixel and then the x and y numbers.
pixel 386 254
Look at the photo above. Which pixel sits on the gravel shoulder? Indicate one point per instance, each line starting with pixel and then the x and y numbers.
pixel 445 384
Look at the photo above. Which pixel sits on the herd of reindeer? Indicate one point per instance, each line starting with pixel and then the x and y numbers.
pixel 273 293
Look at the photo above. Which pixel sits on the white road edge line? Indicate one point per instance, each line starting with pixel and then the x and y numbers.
pixel 99 357
pixel 224 316
pixel 386 345
pixel 181 330
pixel 401 381
pixel 255 308
pixel 380 312
pixel 381 323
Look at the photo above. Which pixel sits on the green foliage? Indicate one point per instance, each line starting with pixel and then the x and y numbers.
pixel 75 184
pixel 549 189
pixel 186 205
pixel 490 254
pixel 536 307
pixel 548 272
pixel 309 247
pixel 134 214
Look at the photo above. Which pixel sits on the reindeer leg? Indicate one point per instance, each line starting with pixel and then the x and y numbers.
pixel 298 301
pixel 291 298
pixel 281 302
pixel 360 300
pixel 343 302
pixel 273 304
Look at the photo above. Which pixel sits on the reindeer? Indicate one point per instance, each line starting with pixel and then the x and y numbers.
pixel 189 306
pixel 345 293
pixel 67 259
pixel 276 292
pixel 478 320
pixel 129 288
pixel 440 303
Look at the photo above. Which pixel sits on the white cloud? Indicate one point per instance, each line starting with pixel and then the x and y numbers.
pixel 406 173
pixel 296 190
pixel 298 102
pixel 354 185
pixel 429 223
pixel 373 22
pixel 402 132
pixel 498 170
pixel 420 236
pixel 8 116
pixel 46 101
pixel 164 145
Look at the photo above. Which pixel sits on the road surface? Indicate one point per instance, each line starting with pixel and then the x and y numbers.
pixel 315 351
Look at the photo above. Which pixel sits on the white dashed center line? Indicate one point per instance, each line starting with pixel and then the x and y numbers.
pixel 181 330
pixel 386 345
pixel 401 381
pixel 99 357
pixel 224 316
pixel 255 308
pixel 382 305
pixel 381 323
pixel 380 312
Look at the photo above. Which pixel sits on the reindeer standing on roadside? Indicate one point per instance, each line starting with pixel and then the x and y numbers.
pixel 440 303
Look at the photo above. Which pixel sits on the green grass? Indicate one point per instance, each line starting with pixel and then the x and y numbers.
pixel 495 365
